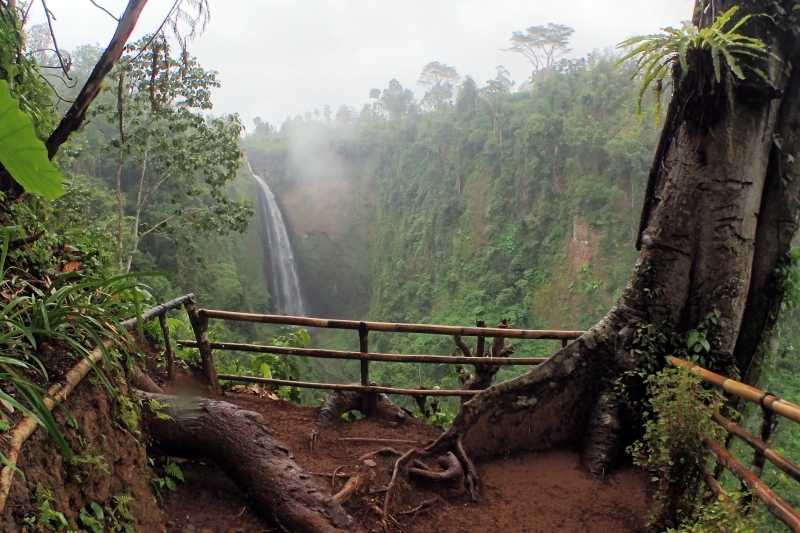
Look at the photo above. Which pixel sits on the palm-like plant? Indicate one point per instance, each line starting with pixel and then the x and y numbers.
pixel 657 53
pixel 75 311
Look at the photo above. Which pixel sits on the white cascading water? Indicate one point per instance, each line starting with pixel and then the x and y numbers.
pixel 284 273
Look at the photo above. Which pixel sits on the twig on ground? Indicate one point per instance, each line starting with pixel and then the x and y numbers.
pixel 426 503
pixel 313 440
pixel 333 476
pixel 370 439
pixel 382 451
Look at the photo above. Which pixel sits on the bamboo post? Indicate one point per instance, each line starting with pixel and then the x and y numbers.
pixel 768 423
pixel 200 327
pixel 162 320
pixel 369 400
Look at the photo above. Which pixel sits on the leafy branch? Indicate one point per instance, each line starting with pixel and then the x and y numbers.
pixel 657 53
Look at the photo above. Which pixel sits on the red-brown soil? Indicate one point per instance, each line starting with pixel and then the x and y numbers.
pixel 533 492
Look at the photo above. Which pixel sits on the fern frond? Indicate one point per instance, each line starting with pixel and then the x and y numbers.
pixel 656 53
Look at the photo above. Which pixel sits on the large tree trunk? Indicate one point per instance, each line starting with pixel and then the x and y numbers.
pixel 244 445
pixel 719 213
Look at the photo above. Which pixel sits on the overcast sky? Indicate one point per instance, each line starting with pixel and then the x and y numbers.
pixel 279 58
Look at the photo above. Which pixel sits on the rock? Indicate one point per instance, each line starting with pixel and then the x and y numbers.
pixel 206 530
pixel 189 528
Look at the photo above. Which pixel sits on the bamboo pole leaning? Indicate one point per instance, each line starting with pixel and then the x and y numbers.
pixel 431 329
pixel 56 394
pixel 773 502
pixel 340 386
pixel 366 356
pixel 59 392
pixel 746 392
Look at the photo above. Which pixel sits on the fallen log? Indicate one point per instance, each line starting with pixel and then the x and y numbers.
pixel 244 445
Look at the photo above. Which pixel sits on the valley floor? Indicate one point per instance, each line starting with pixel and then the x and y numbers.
pixel 530 493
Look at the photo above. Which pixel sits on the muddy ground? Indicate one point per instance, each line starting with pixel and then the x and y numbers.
pixel 531 493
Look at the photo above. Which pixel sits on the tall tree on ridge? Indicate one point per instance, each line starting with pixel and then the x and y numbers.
pixel 440 81
pixel 541 45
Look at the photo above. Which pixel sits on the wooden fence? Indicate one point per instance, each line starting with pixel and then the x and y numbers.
pixel 200 324
pixel 770 406
pixel 750 477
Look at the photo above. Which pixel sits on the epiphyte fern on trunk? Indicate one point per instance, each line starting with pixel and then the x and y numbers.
pixel 657 53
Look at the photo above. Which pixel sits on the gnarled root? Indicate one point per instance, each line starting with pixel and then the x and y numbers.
pixel 339 402
pixel 456 465
pixel 452 469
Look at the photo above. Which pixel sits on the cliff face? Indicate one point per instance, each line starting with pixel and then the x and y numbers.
pixel 520 209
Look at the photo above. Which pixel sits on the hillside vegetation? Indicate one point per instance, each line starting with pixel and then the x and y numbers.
pixel 500 205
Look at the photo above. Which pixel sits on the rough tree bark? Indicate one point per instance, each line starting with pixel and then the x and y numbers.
pixel 244 445
pixel 719 213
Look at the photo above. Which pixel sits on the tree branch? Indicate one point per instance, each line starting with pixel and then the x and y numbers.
pixel 98 6
pixel 77 113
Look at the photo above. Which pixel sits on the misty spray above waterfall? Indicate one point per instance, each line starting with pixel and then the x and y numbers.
pixel 285 283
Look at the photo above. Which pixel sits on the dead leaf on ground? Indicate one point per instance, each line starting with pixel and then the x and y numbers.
pixel 72 266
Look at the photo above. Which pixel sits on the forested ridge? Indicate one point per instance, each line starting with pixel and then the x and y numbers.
pixel 518 205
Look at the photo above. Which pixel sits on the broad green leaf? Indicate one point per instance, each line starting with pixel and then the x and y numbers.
pixel 22 153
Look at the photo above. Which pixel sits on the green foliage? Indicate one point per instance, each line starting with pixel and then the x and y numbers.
pixel 173 162
pixel 80 466
pixel 157 407
pixel 20 70
pixel 46 517
pixel 659 52
pixel 22 153
pixel 172 473
pixel 471 208
pixel 678 417
pixel 723 515
pixel 269 365
pixel 116 518
pixel 78 312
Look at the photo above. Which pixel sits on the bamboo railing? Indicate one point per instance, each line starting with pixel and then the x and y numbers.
pixel 363 355
pixel 431 329
pixel 770 405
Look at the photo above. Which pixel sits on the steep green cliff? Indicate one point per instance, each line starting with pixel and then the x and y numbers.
pixel 518 205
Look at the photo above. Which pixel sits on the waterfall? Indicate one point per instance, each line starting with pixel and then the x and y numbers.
pixel 285 283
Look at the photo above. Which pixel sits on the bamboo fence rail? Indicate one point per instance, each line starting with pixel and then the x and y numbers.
pixel 339 386
pixel 746 392
pixel 431 329
pixel 369 400
pixel 791 469
pixel 774 503
pixel 359 356
pixel 770 406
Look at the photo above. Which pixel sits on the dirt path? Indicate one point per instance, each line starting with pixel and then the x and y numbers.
pixel 531 493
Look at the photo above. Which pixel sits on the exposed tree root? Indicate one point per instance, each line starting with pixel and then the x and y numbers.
pixel 452 469
pixel 244 445
pixel 353 485
pixel 340 402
